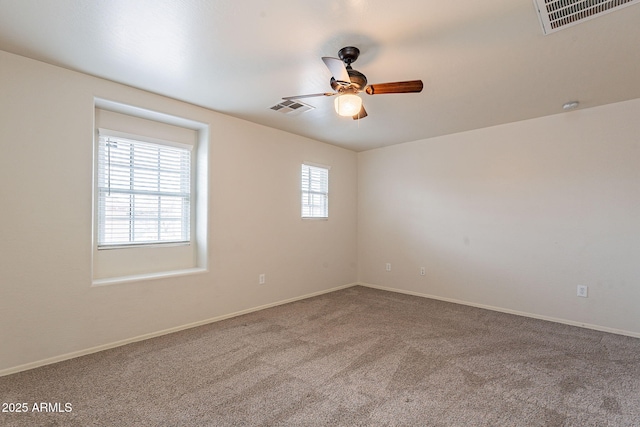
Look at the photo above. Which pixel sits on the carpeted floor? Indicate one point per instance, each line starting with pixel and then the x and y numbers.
pixel 356 357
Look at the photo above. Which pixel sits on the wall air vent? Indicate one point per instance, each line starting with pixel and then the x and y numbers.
pixel 292 107
pixel 556 15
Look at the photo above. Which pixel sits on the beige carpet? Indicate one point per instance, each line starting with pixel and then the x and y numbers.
pixel 355 357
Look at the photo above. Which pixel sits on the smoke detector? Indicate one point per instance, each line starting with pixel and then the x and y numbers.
pixel 571 105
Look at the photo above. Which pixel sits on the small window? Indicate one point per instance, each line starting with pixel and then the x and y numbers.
pixel 144 191
pixel 315 191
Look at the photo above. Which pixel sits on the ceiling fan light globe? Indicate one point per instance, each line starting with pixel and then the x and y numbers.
pixel 348 105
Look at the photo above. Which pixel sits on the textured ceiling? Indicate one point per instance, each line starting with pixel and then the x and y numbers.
pixel 482 63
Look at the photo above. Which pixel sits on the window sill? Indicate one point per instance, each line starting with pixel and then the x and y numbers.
pixel 148 276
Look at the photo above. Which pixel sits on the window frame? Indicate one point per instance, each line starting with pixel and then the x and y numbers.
pixel 133 139
pixel 138 263
pixel 324 193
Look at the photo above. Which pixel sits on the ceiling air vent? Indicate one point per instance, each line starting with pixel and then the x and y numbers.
pixel 556 15
pixel 292 107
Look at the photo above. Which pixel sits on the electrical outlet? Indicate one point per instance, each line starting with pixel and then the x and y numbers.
pixel 261 279
pixel 388 268
pixel 583 291
pixel 423 271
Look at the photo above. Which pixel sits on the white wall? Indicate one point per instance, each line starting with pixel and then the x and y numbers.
pixel 48 307
pixel 512 217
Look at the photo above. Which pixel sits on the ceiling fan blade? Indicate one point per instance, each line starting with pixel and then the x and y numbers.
pixel 337 68
pixel 288 98
pixel 362 114
pixel 411 86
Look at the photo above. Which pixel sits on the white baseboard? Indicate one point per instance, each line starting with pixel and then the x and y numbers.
pixel 96 349
pixel 508 311
pixel 72 355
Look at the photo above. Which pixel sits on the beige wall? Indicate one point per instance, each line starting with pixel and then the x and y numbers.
pixel 48 308
pixel 512 217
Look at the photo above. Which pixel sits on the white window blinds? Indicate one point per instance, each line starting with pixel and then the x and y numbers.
pixel 315 191
pixel 144 191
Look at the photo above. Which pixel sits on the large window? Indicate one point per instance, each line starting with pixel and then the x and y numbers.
pixel 150 194
pixel 315 191
pixel 144 191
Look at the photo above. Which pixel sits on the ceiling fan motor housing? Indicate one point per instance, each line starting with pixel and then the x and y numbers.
pixel 349 55
pixel 358 81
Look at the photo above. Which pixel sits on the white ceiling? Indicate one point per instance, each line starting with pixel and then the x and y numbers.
pixel 482 62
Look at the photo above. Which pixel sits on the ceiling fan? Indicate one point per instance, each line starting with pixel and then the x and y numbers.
pixel 348 83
